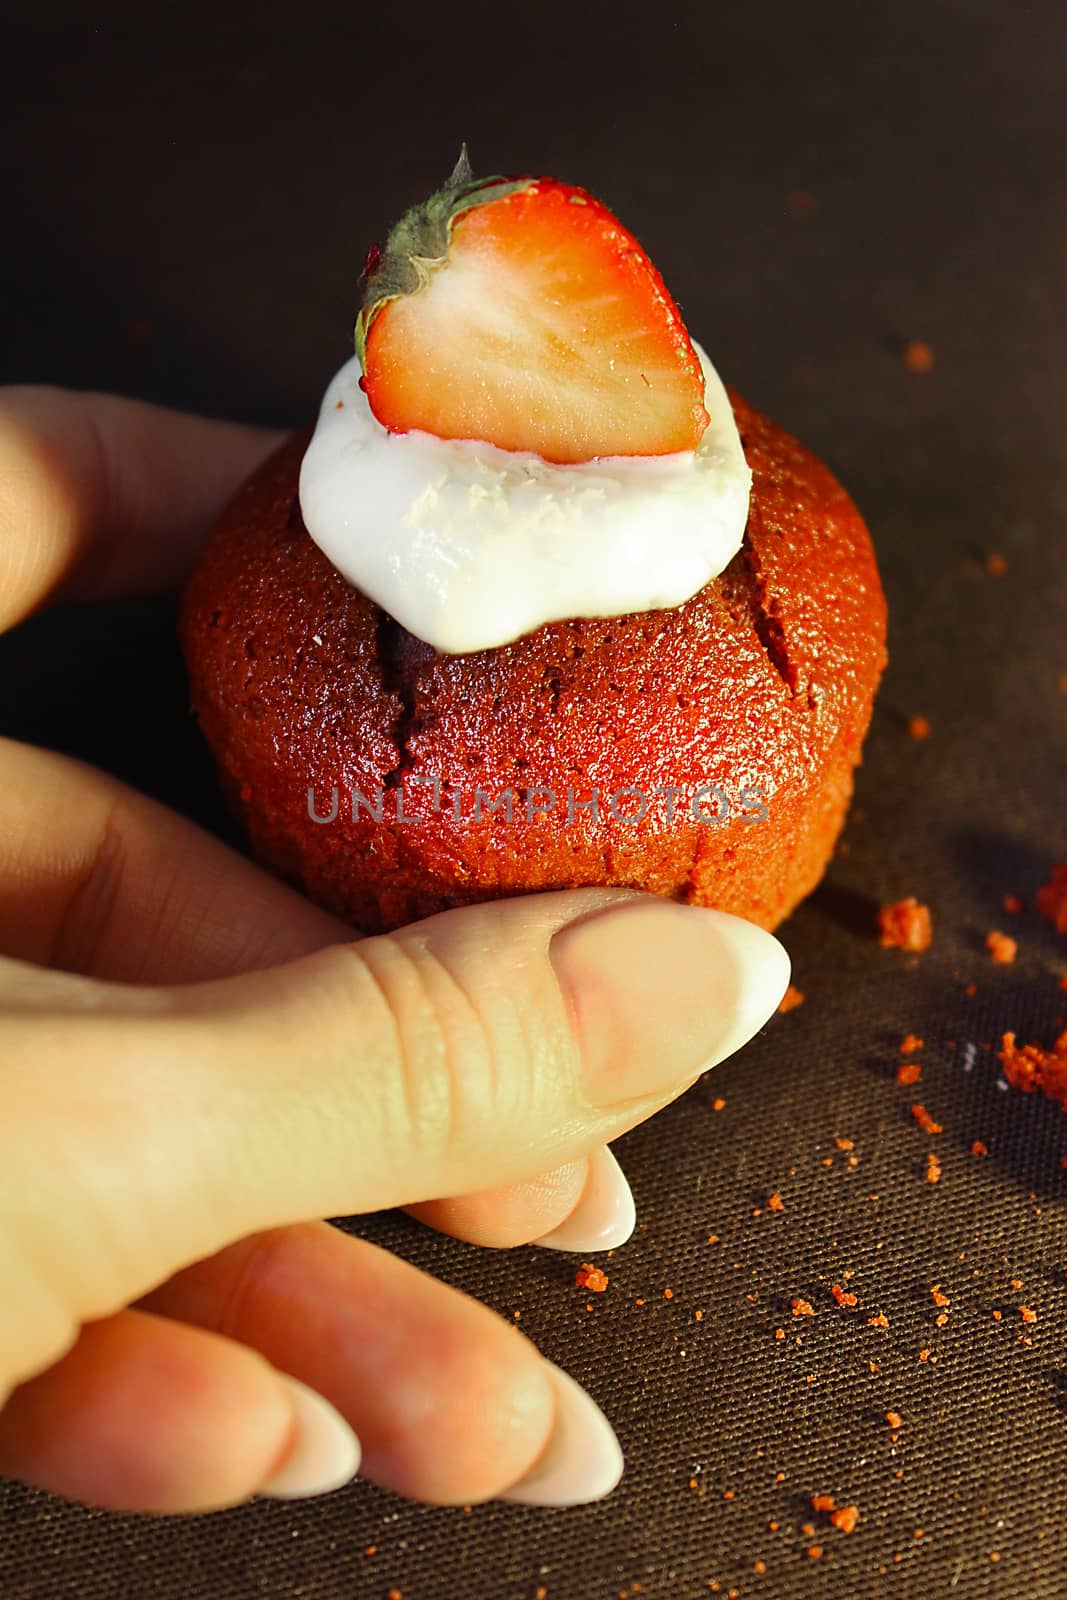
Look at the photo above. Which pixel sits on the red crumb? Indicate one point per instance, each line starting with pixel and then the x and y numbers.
pixel 845 1144
pixel 1027 1315
pixel 394 1594
pixel 925 1120
pixel 668 1294
pixel 924 1355
pixel 801 205
pixel 639 1301
pixel 1028 1067
pixel 802 1308
pixel 540 1593
pixel 909 1072
pixel 970 990
pixel 1016 1283
pixel 773 1526
pixel 1012 904
pixel 918 728
pixel 938 1296
pixel 791 999
pixel 1063 981
pixel 776 1203
pixel 823 1502
pixel 894 1419
pixel 842 1296
pixel 918 356
pixel 718 1104
pixel 910 1043
pixel 759 1567
pixel 997 1315
pixel 905 925
pixel 698 1316
pixel 815 1551
pixel 1051 898
pixel 933 1168
pixel 979 1149
pixel 590 1277
pixel 1001 948
pixel 846 1518
pixel 729 1494
pixel 995 564
pixel 880 1321
pixel 941 1319
pixel 779 1333
pixel 371 1550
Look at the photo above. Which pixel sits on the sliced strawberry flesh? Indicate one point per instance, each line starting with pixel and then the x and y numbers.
pixel 548 330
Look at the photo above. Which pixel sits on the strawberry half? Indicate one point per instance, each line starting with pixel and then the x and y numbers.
pixel 522 313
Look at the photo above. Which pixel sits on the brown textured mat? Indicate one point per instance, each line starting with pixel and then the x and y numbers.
pixel 817 190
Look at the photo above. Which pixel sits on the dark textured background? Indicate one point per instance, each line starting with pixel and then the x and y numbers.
pixel 187 201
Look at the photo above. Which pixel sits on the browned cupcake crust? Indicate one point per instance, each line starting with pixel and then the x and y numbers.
pixel 704 752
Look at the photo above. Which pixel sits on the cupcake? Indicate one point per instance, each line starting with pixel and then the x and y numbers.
pixel 537 603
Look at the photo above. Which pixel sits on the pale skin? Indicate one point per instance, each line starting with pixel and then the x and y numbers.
pixel 197 1065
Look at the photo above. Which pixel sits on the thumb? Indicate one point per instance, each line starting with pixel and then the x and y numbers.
pixel 469 1051
pixel 475 1049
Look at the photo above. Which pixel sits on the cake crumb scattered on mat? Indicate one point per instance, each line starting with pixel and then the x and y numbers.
pixel 1012 904
pixel 845 1518
pixel 776 1203
pixel 918 728
pixel 880 1321
pixel 1029 1067
pixel 995 564
pixel 1002 948
pixel 894 1419
pixel 792 998
pixel 842 1296
pixel 844 1144
pixel 779 1333
pixel 905 925
pixel 938 1295
pixel 919 356
pixel 590 1277
pixel 1027 1314
pixel 1051 898
pixel 909 1072
pixel 802 205
pixel 815 1551
pixel 925 1120
pixel 979 1148
pixel 802 1308
pixel 718 1104
pixel 910 1043
pixel 823 1502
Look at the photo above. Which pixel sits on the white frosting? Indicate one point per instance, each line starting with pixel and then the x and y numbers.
pixel 470 546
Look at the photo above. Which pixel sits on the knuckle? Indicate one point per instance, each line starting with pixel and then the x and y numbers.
pixel 457 1064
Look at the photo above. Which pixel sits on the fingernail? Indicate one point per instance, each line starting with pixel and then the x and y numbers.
pixel 582 1459
pixel 604 1216
pixel 325 1453
pixel 661 991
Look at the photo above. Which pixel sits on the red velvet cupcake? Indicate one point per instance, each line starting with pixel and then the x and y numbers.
pixel 701 748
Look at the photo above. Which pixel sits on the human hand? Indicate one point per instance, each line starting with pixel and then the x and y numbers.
pixel 197 1065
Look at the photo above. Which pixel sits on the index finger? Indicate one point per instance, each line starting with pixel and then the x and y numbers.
pixel 105 496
